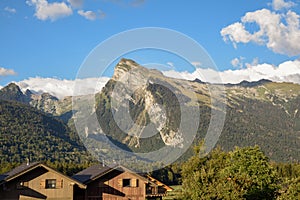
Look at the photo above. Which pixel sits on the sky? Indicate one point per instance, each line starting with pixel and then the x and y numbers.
pixel 44 42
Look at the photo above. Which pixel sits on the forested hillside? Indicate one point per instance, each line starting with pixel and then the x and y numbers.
pixel 26 133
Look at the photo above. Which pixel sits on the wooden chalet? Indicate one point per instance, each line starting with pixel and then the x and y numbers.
pixel 37 181
pixel 117 183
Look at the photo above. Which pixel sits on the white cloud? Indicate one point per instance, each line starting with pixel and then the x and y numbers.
pixel 45 10
pixel 10 10
pixel 288 71
pixel 196 63
pixel 253 63
pixel 90 15
pixel 281 4
pixel 63 88
pixel 6 72
pixel 279 32
pixel 237 62
pixel 76 3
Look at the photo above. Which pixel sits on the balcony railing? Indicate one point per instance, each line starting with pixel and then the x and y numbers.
pixel 156 191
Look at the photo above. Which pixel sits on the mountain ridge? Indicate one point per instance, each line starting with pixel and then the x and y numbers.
pixel 261 112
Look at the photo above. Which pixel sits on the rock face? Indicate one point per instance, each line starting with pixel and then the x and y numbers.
pixel 12 92
pixel 142 110
pixel 139 106
pixel 44 102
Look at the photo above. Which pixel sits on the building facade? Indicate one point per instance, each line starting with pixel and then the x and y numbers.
pixel 38 181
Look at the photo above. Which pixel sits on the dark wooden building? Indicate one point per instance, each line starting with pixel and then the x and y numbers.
pixel 117 183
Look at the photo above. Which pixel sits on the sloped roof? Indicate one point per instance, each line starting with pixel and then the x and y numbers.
pixel 24 168
pixel 96 171
pixel 18 170
pixel 91 173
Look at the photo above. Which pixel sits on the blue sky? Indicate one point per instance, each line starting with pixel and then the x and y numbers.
pixel 54 41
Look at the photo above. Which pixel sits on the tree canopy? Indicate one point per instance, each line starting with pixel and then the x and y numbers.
pixel 244 173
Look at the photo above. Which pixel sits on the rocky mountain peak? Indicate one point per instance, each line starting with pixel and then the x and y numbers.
pixel 12 92
pixel 126 66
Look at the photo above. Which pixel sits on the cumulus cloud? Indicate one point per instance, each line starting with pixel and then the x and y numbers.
pixel 281 4
pixel 6 72
pixel 62 88
pixel 76 3
pixel 279 32
pixel 10 10
pixel 288 71
pixel 90 15
pixel 45 10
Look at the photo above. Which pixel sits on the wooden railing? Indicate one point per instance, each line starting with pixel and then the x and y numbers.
pixel 155 191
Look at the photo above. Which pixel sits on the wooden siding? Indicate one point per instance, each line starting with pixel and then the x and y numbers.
pixel 33 187
pixel 110 187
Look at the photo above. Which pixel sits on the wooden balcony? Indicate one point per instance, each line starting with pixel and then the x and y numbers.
pixel 157 191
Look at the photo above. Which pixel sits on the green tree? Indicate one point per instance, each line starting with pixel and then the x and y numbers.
pixel 292 191
pixel 244 173
pixel 201 175
pixel 250 175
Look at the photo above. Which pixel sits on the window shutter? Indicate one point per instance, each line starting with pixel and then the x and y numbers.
pixel 120 182
pixel 134 182
pixel 43 184
pixel 60 183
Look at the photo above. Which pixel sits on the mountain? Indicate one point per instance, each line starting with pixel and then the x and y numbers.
pixel 26 132
pixel 13 92
pixel 45 102
pixel 260 113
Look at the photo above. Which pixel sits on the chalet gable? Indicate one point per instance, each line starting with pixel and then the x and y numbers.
pixel 26 168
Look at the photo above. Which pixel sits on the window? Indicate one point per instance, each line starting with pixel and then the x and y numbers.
pixel 50 183
pixel 126 183
pixel 130 182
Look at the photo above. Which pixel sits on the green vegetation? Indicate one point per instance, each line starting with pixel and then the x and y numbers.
pixel 26 133
pixel 262 119
pixel 240 174
pixel 175 194
pixel 244 173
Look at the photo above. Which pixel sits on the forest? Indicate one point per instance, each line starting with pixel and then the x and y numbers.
pixel 243 173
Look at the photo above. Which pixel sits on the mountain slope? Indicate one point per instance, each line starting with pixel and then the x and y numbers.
pixel 262 113
pixel 61 108
pixel 28 133
pixel 13 92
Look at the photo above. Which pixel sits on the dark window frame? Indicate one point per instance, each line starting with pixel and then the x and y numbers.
pixel 126 182
pixel 51 184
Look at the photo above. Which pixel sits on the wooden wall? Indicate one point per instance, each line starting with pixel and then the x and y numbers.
pixel 34 187
pixel 109 187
